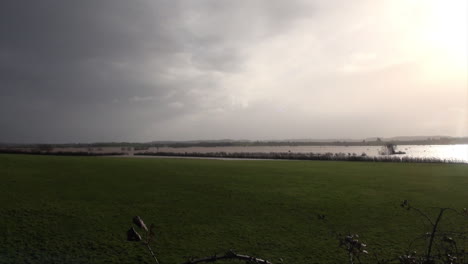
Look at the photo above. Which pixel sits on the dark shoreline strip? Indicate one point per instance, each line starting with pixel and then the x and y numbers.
pixel 257 155
pixel 304 156
pixel 61 153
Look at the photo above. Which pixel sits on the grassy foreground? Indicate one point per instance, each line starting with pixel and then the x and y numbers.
pixel 77 209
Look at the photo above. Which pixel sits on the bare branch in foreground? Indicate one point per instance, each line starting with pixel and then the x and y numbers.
pixel 228 255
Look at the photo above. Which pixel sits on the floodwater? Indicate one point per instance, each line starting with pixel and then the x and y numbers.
pixel 444 152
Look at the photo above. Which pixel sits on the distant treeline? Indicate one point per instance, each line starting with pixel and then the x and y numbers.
pixel 58 153
pixel 303 156
pixel 228 143
pixel 442 141
pixel 252 155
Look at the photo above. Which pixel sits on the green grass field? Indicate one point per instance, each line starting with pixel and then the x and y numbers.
pixel 78 209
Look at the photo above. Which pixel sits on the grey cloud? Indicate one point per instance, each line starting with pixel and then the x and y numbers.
pixel 117 70
pixel 69 69
pixel 219 28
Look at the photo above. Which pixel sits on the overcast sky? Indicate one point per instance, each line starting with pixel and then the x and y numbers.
pixel 142 70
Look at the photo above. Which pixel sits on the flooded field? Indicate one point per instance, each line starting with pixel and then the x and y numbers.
pixel 444 152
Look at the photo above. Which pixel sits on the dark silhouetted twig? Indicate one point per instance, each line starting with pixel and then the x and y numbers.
pixel 228 255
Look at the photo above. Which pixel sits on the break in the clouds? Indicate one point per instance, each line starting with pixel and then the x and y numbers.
pixel 115 70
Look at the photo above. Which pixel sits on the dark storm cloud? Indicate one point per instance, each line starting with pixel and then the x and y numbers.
pixel 57 48
pixel 103 70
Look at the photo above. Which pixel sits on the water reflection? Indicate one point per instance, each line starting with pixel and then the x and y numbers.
pixel 444 152
pixel 448 152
